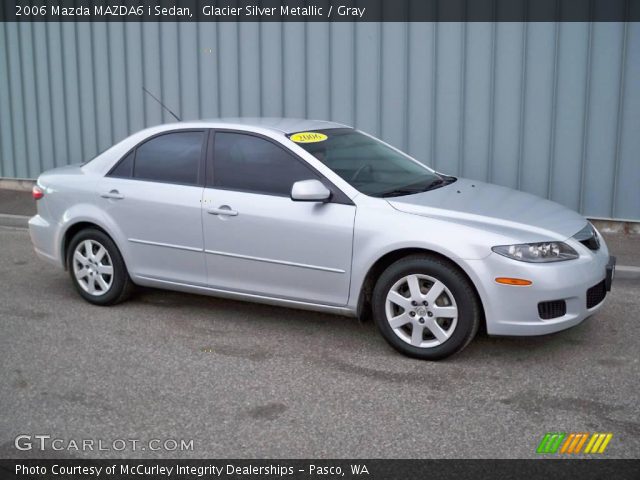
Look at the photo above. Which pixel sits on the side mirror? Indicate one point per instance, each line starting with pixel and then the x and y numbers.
pixel 310 191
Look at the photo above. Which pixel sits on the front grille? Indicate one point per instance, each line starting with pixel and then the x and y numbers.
pixel 588 237
pixel 591 243
pixel 596 294
pixel 552 309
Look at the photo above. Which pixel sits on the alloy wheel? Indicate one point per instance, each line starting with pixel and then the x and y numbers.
pixel 92 267
pixel 421 310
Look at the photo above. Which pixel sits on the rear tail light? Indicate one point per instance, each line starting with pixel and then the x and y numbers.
pixel 37 192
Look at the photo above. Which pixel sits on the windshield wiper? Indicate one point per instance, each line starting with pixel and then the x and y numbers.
pixel 396 192
pixel 434 184
pixel 406 190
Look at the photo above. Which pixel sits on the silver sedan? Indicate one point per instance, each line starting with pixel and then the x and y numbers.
pixel 317 215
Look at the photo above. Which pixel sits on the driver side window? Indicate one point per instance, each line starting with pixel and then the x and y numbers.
pixel 249 163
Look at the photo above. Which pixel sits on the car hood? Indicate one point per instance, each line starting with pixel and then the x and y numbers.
pixel 501 209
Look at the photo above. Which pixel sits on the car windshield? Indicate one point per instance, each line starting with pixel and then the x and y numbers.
pixel 367 164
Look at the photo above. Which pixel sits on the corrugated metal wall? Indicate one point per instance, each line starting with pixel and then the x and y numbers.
pixel 550 108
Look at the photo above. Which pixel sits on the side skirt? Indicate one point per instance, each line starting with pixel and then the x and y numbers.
pixel 243 296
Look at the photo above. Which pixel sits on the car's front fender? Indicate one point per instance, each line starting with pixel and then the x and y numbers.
pixel 380 231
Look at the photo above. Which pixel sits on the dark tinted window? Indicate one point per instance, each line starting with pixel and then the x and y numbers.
pixel 249 163
pixel 124 169
pixel 172 158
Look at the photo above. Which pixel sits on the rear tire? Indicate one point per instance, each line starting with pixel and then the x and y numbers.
pixel 97 269
pixel 425 307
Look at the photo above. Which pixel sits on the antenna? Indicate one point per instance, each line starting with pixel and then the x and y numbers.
pixel 162 104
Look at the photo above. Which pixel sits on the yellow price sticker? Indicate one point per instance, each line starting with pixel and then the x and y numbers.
pixel 308 137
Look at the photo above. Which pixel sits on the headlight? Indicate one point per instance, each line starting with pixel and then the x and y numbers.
pixel 537 252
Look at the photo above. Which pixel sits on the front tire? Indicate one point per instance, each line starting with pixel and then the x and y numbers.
pixel 97 269
pixel 425 307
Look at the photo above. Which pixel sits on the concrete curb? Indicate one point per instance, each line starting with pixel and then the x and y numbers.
pixel 20 221
pixel 627 272
pixel 19 184
pixel 616 226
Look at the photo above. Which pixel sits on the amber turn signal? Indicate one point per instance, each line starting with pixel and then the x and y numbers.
pixel 513 281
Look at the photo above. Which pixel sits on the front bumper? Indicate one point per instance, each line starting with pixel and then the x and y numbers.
pixel 513 310
pixel 610 273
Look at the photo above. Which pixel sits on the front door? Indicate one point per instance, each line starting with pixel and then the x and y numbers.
pixel 259 241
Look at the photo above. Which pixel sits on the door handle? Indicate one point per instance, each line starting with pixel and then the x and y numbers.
pixel 223 210
pixel 114 194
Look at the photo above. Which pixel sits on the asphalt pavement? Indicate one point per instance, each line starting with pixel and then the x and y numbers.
pixel 17 202
pixel 248 380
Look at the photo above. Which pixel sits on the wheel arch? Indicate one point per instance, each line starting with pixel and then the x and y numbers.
pixel 382 263
pixel 73 228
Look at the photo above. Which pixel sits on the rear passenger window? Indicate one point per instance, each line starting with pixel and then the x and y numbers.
pixel 249 163
pixel 171 158
pixel 124 169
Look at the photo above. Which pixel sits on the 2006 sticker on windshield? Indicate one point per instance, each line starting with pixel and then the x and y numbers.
pixel 308 137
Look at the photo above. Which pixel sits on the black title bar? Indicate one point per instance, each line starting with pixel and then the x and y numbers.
pixel 319 10
pixel 318 469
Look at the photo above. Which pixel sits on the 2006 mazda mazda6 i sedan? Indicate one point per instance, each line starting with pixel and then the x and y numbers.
pixel 318 215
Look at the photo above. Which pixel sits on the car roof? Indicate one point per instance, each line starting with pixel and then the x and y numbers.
pixel 277 124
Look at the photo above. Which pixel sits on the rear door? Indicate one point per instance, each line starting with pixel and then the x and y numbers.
pixel 259 241
pixel 154 196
